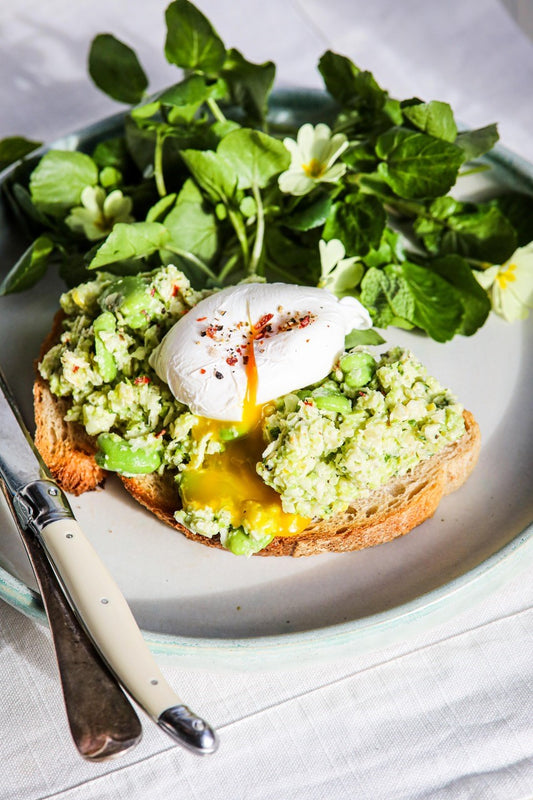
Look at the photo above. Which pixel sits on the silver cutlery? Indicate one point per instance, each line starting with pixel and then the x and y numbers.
pixel 42 510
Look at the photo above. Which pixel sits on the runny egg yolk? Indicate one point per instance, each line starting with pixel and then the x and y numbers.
pixel 228 481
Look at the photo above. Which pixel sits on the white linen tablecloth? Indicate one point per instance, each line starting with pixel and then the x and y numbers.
pixel 448 712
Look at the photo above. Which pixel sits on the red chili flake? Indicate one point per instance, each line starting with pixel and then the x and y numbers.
pixel 152 291
pixel 202 371
pixel 212 330
pixel 201 319
pixel 308 402
pixel 142 379
pixel 231 360
pixel 161 433
pixel 75 368
pixel 175 290
pixel 304 322
pixel 263 321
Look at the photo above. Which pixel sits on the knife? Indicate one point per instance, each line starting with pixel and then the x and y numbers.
pixel 42 508
pixel 102 722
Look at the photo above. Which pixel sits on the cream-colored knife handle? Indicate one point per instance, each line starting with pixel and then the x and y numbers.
pixel 109 621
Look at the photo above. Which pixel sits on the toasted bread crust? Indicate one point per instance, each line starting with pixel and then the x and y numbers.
pixel 381 515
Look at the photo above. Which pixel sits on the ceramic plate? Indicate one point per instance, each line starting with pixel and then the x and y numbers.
pixel 209 607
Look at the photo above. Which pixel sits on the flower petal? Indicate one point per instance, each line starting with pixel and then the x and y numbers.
pixel 92 197
pixel 295 182
pixel 333 174
pixel 487 277
pixel 330 254
pixel 306 139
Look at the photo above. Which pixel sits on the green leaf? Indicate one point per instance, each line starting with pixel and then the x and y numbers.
pixel 434 118
pixel 158 211
pixel 416 165
pixel 191 228
pixel 12 148
pixel 518 208
pixel 30 267
pixel 390 250
pixel 212 173
pixel 477 142
pixel 356 338
pixel 358 220
pixel 361 157
pixel 134 240
pixel 348 84
pixel 191 41
pixel 249 84
pixel 254 156
pixel 192 92
pixel 310 216
pixel 58 180
pixel 374 297
pixel 111 153
pixel 115 69
pixel 485 235
pixel 476 303
pixel 424 299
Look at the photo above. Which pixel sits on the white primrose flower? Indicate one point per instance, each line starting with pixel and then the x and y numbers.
pixel 99 212
pixel 337 273
pixel 313 157
pixel 510 285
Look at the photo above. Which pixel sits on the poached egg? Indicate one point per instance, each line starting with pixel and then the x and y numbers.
pixel 278 337
pixel 232 353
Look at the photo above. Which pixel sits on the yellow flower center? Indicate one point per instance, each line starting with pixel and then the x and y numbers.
pixel 314 169
pixel 506 276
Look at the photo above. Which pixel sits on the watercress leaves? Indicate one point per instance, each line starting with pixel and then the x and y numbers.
pixel 350 86
pixel 416 165
pixel 191 41
pixel 409 293
pixel 253 156
pixel 358 221
pixel 191 228
pixel 58 180
pixel 115 69
pixel 200 166
pixel 481 232
pixel 133 240
pixel 14 147
pixel 434 118
pixel 29 268
pixel 249 85
pixel 212 173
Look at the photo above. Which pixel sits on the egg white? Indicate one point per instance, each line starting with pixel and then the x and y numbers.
pixel 203 357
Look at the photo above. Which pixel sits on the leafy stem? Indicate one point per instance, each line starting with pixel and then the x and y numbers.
pixel 158 164
pixel 228 267
pixel 215 109
pixel 238 225
pixel 193 260
pixel 260 231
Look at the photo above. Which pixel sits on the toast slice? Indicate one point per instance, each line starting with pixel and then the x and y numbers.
pixel 383 514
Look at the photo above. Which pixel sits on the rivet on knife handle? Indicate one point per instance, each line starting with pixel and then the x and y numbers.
pixel 103 723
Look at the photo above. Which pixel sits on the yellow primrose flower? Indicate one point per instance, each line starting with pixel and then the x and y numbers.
pixel 99 212
pixel 510 285
pixel 313 157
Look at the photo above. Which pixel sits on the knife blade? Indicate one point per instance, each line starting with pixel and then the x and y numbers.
pixel 41 507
